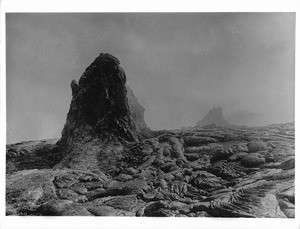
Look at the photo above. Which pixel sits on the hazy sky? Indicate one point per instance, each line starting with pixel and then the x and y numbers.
pixel 178 65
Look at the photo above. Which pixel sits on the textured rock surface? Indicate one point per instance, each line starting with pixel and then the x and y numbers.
pixel 43 154
pixel 162 176
pixel 104 166
pixel 100 121
pixel 99 106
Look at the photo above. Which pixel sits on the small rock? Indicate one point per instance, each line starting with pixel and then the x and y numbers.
pixel 130 171
pixel 127 202
pixel 63 208
pixel 179 162
pixel 163 184
pixel 289 212
pixel 81 199
pixel 287 165
pixel 289 194
pixel 66 193
pixel 147 151
pixel 123 177
pixel 168 177
pixel 95 185
pixel 242 148
pixel 160 154
pixel 80 189
pixel 153 209
pixel 237 156
pixel 134 186
pixel 270 165
pixel 284 204
pixel 168 167
pixel 192 156
pixel 221 153
pixel 167 152
pixel 270 157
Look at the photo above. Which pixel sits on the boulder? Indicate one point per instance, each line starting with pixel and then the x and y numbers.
pixel 289 212
pixel 237 156
pixel 63 208
pixel 255 146
pixel 220 153
pixel 128 202
pixel 123 177
pixel 68 194
pixel 288 164
pixel 253 160
pixel 192 156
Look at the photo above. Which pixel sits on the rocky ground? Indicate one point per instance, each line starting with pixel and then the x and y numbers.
pixel 219 172
pixel 109 163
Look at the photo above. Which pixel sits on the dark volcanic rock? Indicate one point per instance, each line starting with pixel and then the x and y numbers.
pixel 42 154
pixel 288 164
pixel 63 208
pixel 255 146
pixel 99 104
pixel 253 160
pixel 214 116
pixel 100 121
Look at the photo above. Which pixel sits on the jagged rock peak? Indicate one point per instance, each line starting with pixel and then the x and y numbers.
pixel 214 116
pixel 99 106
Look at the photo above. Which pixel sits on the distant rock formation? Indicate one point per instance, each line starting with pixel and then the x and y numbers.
pixel 136 111
pixel 214 116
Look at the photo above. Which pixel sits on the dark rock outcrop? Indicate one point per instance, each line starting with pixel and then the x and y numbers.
pixel 214 116
pixel 41 154
pixel 100 121
pixel 99 106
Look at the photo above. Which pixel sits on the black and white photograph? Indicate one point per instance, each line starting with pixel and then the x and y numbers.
pixel 150 114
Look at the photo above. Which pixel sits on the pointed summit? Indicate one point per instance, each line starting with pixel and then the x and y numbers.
pixel 99 106
pixel 99 117
pixel 214 116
